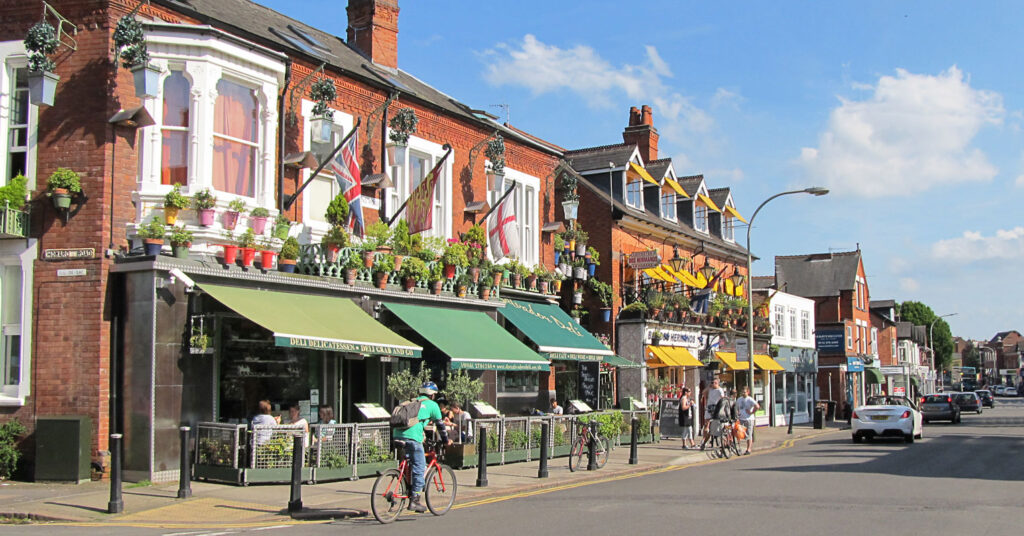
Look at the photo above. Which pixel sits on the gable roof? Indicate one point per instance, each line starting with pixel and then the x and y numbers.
pixel 818 275
pixel 1002 335
pixel 597 158
pixel 691 184
pixel 763 282
pixel 266 27
pixel 658 168
pixel 719 196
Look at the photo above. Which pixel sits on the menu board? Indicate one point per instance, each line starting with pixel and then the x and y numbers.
pixel 579 406
pixel 483 410
pixel 372 412
pixel 589 377
pixel 668 418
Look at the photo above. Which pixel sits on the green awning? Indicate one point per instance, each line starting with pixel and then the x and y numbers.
pixel 471 339
pixel 620 362
pixel 313 321
pixel 555 333
pixel 873 375
pixel 915 382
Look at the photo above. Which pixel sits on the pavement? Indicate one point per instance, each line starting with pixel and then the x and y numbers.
pixel 226 506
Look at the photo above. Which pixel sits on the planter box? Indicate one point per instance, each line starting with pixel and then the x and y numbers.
pixel 326 474
pixel 281 475
pixel 216 473
pixel 371 469
pixel 513 456
pixel 560 450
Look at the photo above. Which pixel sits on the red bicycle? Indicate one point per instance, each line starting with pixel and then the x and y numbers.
pixel 392 489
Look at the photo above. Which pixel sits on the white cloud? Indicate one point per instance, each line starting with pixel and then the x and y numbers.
pixel 726 98
pixel 1019 182
pixel 719 176
pixel 909 284
pixel 544 68
pixel 913 133
pixel 974 247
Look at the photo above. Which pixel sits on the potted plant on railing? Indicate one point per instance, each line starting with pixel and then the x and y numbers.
pixel 204 203
pixel 556 282
pixel 522 272
pixel 402 243
pixel 530 278
pixel 656 337
pixel 462 285
pixel 382 269
pixel 655 303
pixel 636 309
pixel 351 268
pixel 497 274
pixel 235 207
pixel 413 271
pixel 267 252
pixel 230 249
pixel 581 241
pixel 258 219
pixel 130 42
pixel 543 278
pixel 337 211
pixel 461 389
pixel 593 261
pixel 680 303
pixel 62 185
pixel 282 226
pixel 436 278
pixel 152 235
pixel 604 293
pixel 402 125
pixel 181 240
pixel 40 42
pixel 174 202
pixel 247 243
pixel 570 197
pixel 579 268
pixel 453 257
pixel 289 255
pixel 332 242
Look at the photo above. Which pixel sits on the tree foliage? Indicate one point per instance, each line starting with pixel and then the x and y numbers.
pixel 971 357
pixel 921 315
pixel 404 385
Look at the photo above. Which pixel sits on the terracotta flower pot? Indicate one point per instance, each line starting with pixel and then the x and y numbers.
pixel 206 216
pixel 474 274
pixel 267 259
pixel 368 259
pixel 171 215
pixel 380 279
pixel 230 253
pixel 542 287
pixel 531 282
pixel 517 280
pixel 286 265
pixel 230 220
pixel 350 276
pixel 332 253
pixel 435 287
pixel 497 277
pixel 258 224
pixel 398 262
pixel 410 284
pixel 248 255
pixel 485 292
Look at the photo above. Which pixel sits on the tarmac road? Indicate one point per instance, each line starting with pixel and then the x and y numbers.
pixel 960 479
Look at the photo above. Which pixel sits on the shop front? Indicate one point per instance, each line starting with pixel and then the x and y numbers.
pixel 735 371
pixel 874 381
pixel 794 385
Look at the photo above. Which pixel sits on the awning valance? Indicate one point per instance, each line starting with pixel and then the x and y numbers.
pixel 873 375
pixel 555 333
pixel 765 362
pixel 638 171
pixel 471 339
pixel 735 213
pixel 313 321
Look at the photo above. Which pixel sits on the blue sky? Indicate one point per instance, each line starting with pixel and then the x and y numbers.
pixel 911 112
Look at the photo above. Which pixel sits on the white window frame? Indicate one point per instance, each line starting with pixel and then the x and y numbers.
pixel 874 341
pixel 318 227
pixel 14 253
pixel 849 337
pixel 528 221
pixel 400 192
pixel 630 193
pixel 780 321
pixel 668 204
pixel 728 228
pixel 700 217
pixel 204 61
pixel 14 57
pixel 791 315
pixel 805 325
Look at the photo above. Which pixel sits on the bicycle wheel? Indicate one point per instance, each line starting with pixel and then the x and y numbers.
pixel 723 446
pixel 603 448
pixel 576 455
pixel 389 495
pixel 439 489
pixel 734 444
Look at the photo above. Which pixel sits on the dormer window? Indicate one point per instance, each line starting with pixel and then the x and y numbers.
pixel 700 217
pixel 634 193
pixel 728 231
pixel 668 204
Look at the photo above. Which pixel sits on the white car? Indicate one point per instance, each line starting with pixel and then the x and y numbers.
pixel 999 390
pixel 1010 391
pixel 887 416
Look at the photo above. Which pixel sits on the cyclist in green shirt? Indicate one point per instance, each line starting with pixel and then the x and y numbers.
pixel 413 441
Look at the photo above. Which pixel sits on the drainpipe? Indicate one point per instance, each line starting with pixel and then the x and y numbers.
pixel 282 119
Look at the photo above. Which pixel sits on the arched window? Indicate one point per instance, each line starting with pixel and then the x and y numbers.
pixel 235 139
pixel 174 158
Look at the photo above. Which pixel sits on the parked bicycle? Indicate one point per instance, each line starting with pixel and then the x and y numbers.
pixel 723 440
pixel 580 447
pixel 392 489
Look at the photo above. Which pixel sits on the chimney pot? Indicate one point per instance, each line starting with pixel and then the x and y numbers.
pixel 373 30
pixel 641 132
pixel 634 116
pixel 647 117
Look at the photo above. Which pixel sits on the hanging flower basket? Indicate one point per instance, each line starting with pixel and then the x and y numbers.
pixel 571 209
pixel 579 272
pixel 396 154
pixel 320 129
pixel 147 80
pixel 61 198
pixel 581 249
pixel 42 87
pixel 591 269
pixel 558 285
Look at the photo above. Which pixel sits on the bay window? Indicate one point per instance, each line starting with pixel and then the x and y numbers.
pixel 174 131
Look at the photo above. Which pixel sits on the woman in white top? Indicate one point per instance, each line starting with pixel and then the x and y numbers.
pixel 295 420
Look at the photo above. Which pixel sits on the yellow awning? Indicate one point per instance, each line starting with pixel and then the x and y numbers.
pixel 733 290
pixel 684 276
pixel 656 358
pixel 656 273
pixel 765 362
pixel 675 186
pixel 682 356
pixel 707 201
pixel 638 170
pixel 729 359
pixel 735 214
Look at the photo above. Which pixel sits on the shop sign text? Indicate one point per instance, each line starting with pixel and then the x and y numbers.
pixel 568 356
pixel 641 260
pixel 340 346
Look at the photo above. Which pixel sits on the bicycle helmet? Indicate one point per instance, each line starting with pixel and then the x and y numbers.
pixel 428 388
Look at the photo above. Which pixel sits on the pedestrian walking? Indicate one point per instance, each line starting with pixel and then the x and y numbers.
pixel 711 397
pixel 686 419
pixel 746 407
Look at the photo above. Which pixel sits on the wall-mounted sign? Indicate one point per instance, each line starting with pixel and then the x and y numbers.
pixel 71 273
pixel 854 364
pixel 644 259
pixel 829 340
pixel 68 254
pixel 674 337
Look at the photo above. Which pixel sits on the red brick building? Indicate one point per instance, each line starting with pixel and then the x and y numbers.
pixel 1009 349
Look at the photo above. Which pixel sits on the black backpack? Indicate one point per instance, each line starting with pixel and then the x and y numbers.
pixel 406 414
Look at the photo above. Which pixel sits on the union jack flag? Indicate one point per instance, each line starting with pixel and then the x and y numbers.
pixel 346 172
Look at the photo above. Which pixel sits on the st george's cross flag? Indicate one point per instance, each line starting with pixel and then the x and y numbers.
pixel 346 172
pixel 503 232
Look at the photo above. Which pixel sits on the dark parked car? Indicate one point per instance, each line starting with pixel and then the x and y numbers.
pixel 940 407
pixel 986 397
pixel 968 402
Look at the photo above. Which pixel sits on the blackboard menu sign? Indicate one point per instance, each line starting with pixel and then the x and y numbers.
pixel 668 418
pixel 589 377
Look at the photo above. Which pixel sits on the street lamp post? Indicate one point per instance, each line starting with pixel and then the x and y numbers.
pixel 814 190
pixel 931 348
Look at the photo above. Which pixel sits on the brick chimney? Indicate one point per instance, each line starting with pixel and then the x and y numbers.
pixel 373 30
pixel 641 132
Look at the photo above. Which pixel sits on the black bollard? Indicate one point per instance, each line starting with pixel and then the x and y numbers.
pixel 116 505
pixel 185 477
pixel 481 467
pixel 295 503
pixel 791 412
pixel 545 433
pixel 634 433
pixel 592 448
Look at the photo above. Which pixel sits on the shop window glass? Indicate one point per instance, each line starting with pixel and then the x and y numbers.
pixel 518 382
pixel 174 132
pixel 235 139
